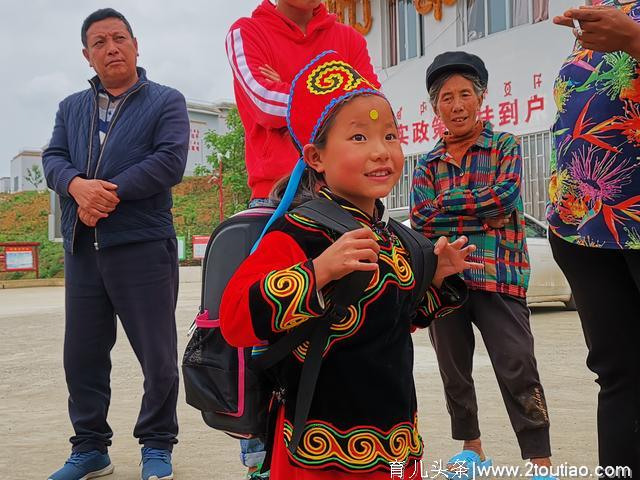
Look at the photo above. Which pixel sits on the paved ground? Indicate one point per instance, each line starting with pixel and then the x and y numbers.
pixel 34 425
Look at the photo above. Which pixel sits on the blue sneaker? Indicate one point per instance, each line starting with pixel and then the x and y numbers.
pixel 84 465
pixel 156 464
pixel 467 465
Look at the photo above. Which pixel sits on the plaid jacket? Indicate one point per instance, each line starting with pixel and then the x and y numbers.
pixel 453 200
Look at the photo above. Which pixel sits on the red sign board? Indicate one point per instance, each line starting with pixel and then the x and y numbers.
pixel 19 257
pixel 199 243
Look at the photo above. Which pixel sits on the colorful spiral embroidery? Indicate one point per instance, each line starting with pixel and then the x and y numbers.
pixel 331 76
pixel 398 273
pixel 306 224
pixel 360 448
pixel 342 328
pixel 288 292
pixel 398 260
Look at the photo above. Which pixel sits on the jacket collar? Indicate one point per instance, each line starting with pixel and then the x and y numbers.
pixel 96 84
pixel 380 214
pixel 484 142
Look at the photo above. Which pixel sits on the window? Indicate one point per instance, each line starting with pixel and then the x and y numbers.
pixel 399 197
pixel 479 18
pixel 536 155
pixel 497 17
pixel 406 31
pixel 475 19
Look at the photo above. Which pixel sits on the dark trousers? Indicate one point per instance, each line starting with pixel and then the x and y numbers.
pixel 503 321
pixel 139 283
pixel 606 288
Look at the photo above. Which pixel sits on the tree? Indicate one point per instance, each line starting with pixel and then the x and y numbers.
pixel 34 176
pixel 228 148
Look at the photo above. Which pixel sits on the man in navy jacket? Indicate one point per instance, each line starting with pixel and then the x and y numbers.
pixel 116 150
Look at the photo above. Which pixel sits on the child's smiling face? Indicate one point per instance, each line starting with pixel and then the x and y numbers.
pixel 362 159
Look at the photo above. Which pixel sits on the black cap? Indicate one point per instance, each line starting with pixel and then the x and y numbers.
pixel 452 62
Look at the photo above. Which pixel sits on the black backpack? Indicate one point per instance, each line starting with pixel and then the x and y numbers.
pixel 229 385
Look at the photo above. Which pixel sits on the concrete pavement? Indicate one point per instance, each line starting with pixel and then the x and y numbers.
pixel 34 426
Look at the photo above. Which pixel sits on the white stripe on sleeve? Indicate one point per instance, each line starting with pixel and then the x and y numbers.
pixel 250 85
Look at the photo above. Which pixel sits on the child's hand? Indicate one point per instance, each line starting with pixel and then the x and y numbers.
pixel 355 250
pixel 452 258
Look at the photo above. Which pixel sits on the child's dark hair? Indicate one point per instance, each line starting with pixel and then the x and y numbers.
pixel 311 181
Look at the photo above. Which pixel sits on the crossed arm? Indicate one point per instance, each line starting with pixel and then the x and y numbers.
pixel 161 169
pixel 463 211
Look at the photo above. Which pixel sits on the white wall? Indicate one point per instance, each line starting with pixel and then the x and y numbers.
pixel 19 166
pixel 5 184
pixel 511 56
pixel 200 124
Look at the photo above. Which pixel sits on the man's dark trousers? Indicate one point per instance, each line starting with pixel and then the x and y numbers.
pixel 138 282
pixel 503 321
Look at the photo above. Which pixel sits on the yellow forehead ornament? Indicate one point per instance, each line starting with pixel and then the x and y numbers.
pixel 373 114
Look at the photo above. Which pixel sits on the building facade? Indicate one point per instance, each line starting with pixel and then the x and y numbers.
pixel 204 117
pixel 5 184
pixel 519 43
pixel 26 171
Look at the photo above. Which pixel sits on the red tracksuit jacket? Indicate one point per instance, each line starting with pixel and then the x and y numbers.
pixel 268 37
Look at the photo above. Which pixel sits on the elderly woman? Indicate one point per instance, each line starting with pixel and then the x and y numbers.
pixel 469 184
pixel 594 212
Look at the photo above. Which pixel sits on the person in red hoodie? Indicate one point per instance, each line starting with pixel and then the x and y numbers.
pixel 266 51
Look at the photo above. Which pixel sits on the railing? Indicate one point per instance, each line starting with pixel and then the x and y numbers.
pixel 536 155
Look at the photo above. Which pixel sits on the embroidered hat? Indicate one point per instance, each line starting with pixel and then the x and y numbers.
pixel 323 84
pixel 450 62
pixel 317 89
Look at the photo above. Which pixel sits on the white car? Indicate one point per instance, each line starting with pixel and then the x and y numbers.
pixel 547 282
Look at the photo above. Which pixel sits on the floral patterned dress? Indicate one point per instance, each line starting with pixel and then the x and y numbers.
pixel 595 167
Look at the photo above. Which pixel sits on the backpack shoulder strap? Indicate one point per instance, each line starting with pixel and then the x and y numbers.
pixel 423 260
pixel 347 291
pixel 328 214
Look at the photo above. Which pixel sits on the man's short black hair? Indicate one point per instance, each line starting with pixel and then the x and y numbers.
pixel 101 15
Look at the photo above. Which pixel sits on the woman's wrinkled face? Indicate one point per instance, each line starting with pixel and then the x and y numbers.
pixel 458 105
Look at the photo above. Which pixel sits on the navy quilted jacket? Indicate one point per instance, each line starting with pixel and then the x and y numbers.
pixel 144 154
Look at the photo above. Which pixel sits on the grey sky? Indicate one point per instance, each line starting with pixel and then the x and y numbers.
pixel 181 44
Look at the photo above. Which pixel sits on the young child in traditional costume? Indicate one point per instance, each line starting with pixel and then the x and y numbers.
pixel 363 415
